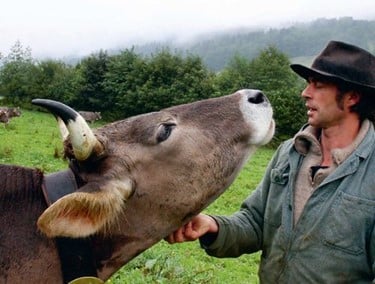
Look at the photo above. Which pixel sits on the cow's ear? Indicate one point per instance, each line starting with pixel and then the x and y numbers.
pixel 82 214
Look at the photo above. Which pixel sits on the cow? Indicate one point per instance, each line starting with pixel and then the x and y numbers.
pixel 90 116
pixel 4 116
pixel 6 113
pixel 129 184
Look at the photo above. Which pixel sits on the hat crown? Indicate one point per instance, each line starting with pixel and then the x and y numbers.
pixel 342 62
pixel 347 62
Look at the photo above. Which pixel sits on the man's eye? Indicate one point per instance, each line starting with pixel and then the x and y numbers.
pixel 319 84
pixel 164 132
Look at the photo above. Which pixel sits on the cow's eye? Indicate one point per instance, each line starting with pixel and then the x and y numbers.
pixel 164 132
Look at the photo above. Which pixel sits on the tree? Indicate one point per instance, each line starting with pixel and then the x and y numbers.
pixel 18 53
pixel 59 81
pixel 173 79
pixel 16 74
pixel 127 71
pixel 234 77
pixel 138 85
pixel 93 95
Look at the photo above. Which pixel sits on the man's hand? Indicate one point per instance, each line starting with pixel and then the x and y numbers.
pixel 194 229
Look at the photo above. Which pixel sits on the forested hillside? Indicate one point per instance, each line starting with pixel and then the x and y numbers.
pixel 298 40
pixel 148 78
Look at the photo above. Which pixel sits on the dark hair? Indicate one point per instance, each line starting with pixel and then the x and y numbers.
pixel 366 105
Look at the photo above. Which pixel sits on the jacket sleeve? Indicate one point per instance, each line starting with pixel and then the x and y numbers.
pixel 242 232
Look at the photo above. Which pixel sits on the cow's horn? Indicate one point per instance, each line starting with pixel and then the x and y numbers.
pixel 82 138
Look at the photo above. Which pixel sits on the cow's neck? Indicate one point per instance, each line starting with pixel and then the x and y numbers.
pixel 23 249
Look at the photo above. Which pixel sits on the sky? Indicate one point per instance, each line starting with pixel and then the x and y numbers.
pixel 80 27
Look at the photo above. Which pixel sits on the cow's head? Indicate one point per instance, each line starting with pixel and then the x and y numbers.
pixel 146 175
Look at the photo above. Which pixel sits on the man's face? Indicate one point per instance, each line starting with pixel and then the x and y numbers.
pixel 323 110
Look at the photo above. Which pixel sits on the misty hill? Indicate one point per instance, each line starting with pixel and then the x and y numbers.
pixel 300 40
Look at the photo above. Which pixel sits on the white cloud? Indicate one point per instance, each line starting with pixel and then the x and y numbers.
pixel 58 28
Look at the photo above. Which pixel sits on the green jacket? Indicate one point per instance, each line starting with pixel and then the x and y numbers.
pixel 334 239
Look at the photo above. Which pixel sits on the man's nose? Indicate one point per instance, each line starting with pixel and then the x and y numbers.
pixel 306 92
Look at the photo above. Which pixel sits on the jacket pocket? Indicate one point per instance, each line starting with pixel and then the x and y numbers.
pixel 350 221
pixel 276 196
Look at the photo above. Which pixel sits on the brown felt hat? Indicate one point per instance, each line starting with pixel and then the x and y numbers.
pixel 342 62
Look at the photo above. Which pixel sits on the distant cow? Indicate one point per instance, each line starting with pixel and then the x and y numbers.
pixel 90 116
pixel 3 116
pixel 6 113
pixel 129 184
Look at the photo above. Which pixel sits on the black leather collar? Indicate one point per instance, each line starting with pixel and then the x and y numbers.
pixel 59 184
pixel 76 255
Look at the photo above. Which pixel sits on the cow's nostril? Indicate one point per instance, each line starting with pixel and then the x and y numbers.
pixel 256 98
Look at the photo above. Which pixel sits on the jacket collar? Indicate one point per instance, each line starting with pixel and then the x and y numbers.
pixel 307 140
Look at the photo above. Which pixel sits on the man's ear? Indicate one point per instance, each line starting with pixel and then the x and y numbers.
pixel 353 98
pixel 83 213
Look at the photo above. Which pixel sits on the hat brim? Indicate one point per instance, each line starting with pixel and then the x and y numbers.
pixel 306 73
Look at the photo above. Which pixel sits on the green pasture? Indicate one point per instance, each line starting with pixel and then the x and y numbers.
pixel 33 140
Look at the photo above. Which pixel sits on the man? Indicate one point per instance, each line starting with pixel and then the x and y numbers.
pixel 313 214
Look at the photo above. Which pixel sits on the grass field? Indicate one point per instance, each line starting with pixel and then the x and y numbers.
pixel 33 140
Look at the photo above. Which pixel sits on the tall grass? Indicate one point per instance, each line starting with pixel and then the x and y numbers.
pixel 33 140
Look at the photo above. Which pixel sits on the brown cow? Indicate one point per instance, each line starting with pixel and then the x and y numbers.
pixel 6 113
pixel 4 116
pixel 90 116
pixel 132 183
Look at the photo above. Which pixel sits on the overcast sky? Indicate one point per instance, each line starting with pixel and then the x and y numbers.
pixel 80 27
